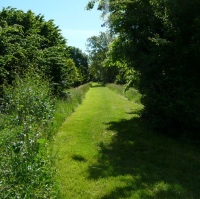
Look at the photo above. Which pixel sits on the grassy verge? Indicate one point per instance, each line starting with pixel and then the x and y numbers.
pixel 66 106
pixel 131 94
pixel 27 123
pixel 105 151
pixel 26 112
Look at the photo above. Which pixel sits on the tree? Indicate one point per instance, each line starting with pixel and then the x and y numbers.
pixel 117 66
pixel 27 40
pixel 97 46
pixel 160 40
pixel 81 62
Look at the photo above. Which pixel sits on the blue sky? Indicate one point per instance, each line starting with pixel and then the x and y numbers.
pixel 76 23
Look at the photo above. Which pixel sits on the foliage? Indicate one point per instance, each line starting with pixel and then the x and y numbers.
pixel 35 64
pixel 26 113
pixel 106 62
pixel 81 62
pixel 27 40
pixel 160 40
pixel 97 46
pixel 118 66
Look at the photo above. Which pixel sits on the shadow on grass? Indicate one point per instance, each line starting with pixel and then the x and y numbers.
pixel 79 158
pixel 146 164
pixel 96 85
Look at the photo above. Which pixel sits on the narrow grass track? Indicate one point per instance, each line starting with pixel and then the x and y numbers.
pixel 104 151
pixel 79 139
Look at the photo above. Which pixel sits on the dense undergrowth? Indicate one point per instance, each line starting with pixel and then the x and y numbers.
pixel 26 112
pixel 29 119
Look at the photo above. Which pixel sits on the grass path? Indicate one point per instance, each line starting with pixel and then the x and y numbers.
pixel 105 152
pixel 79 138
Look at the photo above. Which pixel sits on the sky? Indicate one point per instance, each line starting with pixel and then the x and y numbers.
pixel 76 23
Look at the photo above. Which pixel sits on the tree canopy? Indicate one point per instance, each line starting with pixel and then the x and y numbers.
pixel 81 62
pixel 97 47
pixel 27 40
pixel 159 40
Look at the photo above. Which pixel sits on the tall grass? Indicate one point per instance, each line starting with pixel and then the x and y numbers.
pixel 26 112
pixel 131 93
pixel 65 106
pixel 28 120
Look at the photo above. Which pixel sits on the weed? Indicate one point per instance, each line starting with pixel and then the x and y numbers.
pixel 27 110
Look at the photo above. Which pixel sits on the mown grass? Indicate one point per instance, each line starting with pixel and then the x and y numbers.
pixel 105 151
pixel 152 165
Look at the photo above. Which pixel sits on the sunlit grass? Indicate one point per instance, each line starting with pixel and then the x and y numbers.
pixel 105 151
pixel 131 93
pixel 66 106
